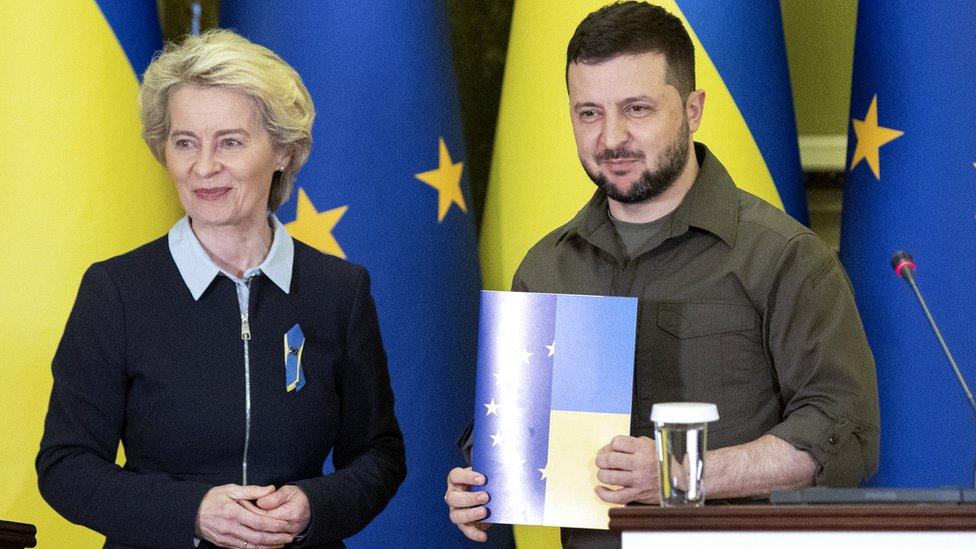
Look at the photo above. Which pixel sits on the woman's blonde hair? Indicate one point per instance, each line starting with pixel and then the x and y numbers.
pixel 220 58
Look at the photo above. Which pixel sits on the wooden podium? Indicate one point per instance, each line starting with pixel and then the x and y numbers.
pixel 17 535
pixel 857 526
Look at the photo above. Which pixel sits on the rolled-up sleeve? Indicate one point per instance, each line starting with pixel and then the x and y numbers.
pixel 825 368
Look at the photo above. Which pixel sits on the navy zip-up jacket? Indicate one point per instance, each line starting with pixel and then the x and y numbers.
pixel 143 363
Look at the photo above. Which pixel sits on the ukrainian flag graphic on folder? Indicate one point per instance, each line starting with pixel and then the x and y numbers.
pixel 79 186
pixel 911 185
pixel 748 120
pixel 555 375
pixel 386 187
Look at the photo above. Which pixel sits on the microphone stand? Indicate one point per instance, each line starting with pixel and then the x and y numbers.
pixel 905 268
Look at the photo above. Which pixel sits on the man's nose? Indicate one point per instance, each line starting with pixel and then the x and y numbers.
pixel 615 132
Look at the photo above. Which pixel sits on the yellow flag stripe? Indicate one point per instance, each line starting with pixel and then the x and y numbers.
pixel 79 186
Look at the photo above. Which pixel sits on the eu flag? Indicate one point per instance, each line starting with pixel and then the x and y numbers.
pixel 386 187
pixel 911 185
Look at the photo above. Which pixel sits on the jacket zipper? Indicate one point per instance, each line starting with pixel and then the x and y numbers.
pixel 246 337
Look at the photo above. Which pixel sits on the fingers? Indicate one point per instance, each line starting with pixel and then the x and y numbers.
pixel 272 500
pixel 467 507
pixel 261 522
pixel 625 444
pixel 255 538
pixel 290 504
pixel 627 453
pixel 620 496
pixel 615 477
pixel 462 479
pixel 630 465
pixel 458 499
pixel 248 492
pixel 474 532
pixel 612 459
pixel 459 494
pixel 225 518
pixel 227 533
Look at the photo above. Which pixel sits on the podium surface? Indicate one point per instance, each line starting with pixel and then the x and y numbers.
pixel 797 526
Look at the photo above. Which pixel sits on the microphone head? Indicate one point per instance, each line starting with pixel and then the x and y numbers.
pixel 902 261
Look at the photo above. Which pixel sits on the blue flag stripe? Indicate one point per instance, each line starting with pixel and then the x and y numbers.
pixel 136 27
pixel 745 41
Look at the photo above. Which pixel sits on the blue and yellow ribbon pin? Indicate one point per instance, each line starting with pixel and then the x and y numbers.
pixel 294 344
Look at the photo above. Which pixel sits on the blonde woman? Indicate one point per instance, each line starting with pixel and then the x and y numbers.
pixel 228 358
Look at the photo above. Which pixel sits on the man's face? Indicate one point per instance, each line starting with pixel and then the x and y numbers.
pixel 632 131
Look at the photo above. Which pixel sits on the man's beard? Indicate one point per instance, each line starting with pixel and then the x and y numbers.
pixel 649 185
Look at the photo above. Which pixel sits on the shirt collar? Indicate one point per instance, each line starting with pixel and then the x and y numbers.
pixel 198 270
pixel 711 204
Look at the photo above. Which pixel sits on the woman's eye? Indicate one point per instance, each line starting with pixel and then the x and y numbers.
pixel 231 142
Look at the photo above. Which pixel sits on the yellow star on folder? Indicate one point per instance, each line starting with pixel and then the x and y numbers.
pixel 871 137
pixel 447 180
pixel 314 227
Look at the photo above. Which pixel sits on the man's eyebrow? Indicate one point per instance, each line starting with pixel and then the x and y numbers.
pixel 637 98
pixel 585 104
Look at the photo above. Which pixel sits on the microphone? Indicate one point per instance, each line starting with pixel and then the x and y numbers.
pixel 904 266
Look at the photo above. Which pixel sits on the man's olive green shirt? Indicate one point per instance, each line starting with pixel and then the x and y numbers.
pixel 739 305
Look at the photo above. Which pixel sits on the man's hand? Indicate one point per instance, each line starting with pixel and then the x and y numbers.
pixel 288 504
pixel 631 464
pixel 223 519
pixel 467 507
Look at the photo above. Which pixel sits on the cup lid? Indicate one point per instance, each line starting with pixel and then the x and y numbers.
pixel 683 412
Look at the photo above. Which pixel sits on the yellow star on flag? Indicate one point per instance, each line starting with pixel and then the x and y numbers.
pixel 447 180
pixel 870 137
pixel 314 227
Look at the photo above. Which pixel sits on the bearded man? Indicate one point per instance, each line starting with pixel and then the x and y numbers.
pixel 739 304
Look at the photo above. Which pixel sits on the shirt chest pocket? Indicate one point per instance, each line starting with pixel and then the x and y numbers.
pixel 701 351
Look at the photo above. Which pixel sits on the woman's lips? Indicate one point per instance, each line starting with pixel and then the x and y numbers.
pixel 211 193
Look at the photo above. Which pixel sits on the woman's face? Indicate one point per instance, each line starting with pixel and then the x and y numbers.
pixel 220 157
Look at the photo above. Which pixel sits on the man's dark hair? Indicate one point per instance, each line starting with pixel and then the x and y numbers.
pixel 631 28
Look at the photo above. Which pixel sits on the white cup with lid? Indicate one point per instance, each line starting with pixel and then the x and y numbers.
pixel 681 435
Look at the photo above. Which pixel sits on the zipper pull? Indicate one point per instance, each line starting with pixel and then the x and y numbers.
pixel 245 328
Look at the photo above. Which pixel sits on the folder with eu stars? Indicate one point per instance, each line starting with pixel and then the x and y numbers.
pixel 554 385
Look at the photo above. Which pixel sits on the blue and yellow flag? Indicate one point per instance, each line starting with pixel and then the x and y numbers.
pixel 386 187
pixel 79 186
pixel 551 392
pixel 911 185
pixel 748 121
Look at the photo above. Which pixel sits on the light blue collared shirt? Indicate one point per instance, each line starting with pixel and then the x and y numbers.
pixel 198 270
